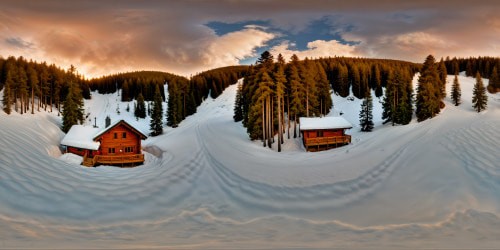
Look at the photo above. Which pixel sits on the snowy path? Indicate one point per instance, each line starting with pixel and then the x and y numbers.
pixel 433 184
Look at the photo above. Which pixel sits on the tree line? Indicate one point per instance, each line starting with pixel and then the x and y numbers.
pixel 184 96
pixel 487 67
pixel 131 84
pixel 31 86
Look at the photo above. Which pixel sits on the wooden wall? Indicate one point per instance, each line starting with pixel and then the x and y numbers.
pixel 120 144
pixel 326 133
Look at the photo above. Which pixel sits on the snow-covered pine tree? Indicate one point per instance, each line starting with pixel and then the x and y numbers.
pixel 156 124
pixel 456 93
pixel 479 97
pixel 366 113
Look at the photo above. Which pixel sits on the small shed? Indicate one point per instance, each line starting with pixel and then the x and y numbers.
pixel 324 133
pixel 118 144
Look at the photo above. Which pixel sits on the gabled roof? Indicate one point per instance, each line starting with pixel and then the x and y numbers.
pixel 123 122
pixel 310 123
pixel 80 136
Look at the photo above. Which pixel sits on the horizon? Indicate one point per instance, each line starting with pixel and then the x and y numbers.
pixel 188 37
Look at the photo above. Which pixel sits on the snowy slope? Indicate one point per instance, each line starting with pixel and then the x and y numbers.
pixel 434 184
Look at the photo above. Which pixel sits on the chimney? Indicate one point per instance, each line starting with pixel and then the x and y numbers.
pixel 108 121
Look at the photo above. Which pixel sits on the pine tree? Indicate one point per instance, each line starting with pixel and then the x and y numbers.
pixel 456 93
pixel 73 112
pixel 398 99
pixel 389 101
pixel 156 125
pixel 494 81
pixel 33 83
pixel 22 89
pixel 296 97
pixel 6 101
pixel 7 93
pixel 140 109
pixel 428 92
pixel 126 91
pixel 404 109
pixel 174 109
pixel 280 80
pixel 366 113
pixel 479 97
pixel 442 77
pixel 238 105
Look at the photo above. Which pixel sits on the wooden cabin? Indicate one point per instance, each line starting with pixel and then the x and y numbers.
pixel 324 133
pixel 119 144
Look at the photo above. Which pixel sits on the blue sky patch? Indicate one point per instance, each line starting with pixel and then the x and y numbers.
pixel 319 29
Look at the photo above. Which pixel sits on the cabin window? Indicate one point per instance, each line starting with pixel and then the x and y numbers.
pixel 319 134
pixel 129 149
pixel 111 150
pixel 115 135
pixel 124 135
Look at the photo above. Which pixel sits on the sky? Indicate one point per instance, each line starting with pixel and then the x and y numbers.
pixel 186 37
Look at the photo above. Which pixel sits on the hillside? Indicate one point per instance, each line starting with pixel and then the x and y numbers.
pixel 432 184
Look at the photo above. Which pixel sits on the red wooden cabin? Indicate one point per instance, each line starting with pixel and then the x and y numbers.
pixel 324 133
pixel 118 144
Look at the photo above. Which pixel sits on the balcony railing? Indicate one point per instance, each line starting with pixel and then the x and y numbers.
pixel 113 159
pixel 334 141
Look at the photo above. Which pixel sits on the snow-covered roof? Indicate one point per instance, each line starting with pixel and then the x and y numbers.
pixel 309 123
pixel 80 136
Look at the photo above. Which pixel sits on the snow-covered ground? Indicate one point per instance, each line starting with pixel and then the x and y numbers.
pixel 434 184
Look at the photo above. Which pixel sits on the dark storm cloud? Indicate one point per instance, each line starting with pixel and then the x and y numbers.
pixel 103 37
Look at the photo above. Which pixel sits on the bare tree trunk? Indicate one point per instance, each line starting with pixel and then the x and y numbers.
pixel 295 126
pixel 271 100
pixel 27 103
pixel 263 124
pixel 307 102
pixel 279 126
pixel 299 126
pixel 22 107
pixel 288 115
pixel 33 100
pixel 282 131
pixel 321 107
pixel 15 101
pixel 269 122
pixel 51 100
pixel 40 99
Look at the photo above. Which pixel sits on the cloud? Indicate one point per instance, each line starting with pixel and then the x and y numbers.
pixel 235 46
pixel 105 37
pixel 316 49
pixel 19 43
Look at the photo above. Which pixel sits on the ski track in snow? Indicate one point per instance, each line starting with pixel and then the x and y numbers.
pixel 204 185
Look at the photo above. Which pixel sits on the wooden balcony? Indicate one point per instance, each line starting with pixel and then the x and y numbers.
pixel 321 143
pixel 113 160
